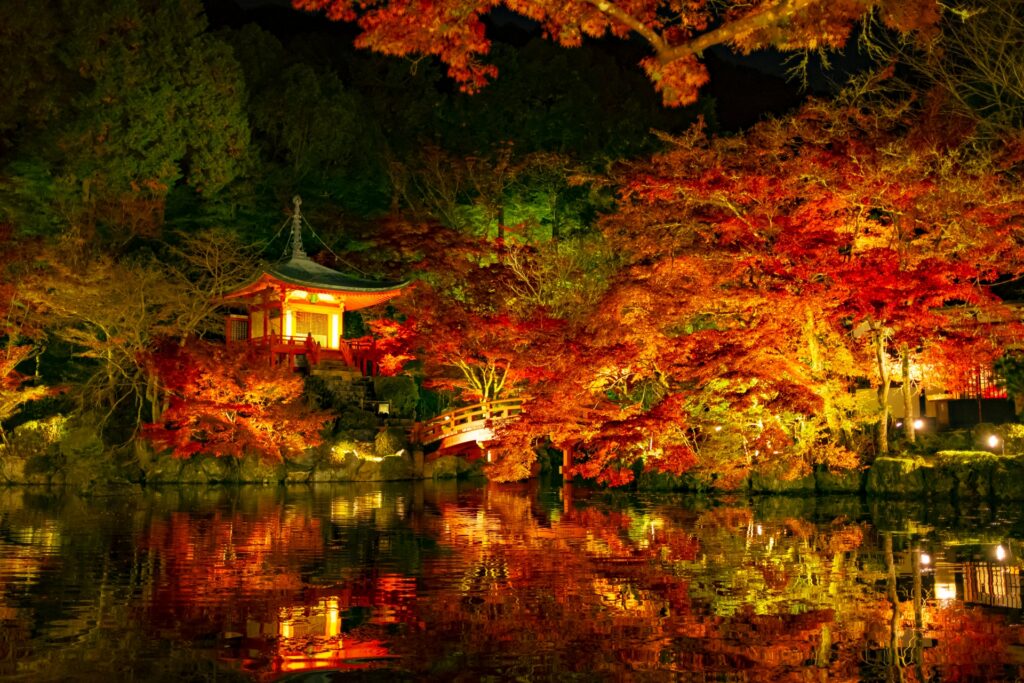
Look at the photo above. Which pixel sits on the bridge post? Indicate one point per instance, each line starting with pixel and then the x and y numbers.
pixel 566 478
pixel 566 459
pixel 417 462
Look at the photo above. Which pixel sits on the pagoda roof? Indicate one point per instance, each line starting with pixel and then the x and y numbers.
pixel 305 272
pixel 300 271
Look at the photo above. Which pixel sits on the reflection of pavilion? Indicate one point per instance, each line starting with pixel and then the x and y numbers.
pixel 990 583
pixel 304 637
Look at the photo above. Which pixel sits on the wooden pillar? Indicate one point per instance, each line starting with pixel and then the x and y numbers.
pixel 265 307
pixel 341 322
pixel 281 316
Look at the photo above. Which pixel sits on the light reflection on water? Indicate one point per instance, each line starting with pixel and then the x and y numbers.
pixel 447 581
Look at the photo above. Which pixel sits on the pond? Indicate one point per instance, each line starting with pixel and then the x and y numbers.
pixel 469 581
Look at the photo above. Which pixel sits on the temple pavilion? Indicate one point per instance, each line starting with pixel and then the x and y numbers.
pixel 294 310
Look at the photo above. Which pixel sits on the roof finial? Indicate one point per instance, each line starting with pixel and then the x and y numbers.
pixel 297 250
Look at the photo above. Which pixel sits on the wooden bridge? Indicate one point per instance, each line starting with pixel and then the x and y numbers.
pixel 470 424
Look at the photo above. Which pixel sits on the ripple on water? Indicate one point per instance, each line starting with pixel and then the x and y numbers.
pixel 460 582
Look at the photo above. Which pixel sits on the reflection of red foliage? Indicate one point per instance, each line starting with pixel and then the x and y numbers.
pixel 205 557
pixel 972 645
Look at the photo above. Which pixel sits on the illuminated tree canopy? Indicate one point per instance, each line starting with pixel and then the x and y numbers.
pixel 677 33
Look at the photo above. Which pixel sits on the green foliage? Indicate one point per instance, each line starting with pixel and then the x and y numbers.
pixel 1009 370
pixel 147 100
pixel 34 437
pixel 1014 435
pixel 400 391
pixel 953 440
pixel 389 441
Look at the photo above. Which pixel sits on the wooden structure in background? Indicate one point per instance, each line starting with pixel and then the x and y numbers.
pixel 294 311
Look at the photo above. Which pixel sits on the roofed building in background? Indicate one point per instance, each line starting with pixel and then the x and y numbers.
pixel 294 311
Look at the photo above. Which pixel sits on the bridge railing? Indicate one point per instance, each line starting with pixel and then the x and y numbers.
pixel 468 418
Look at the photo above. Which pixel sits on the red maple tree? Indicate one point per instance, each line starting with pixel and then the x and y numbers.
pixel 677 33
pixel 223 402
pixel 765 275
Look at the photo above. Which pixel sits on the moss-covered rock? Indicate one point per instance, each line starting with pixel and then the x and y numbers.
pixel 82 443
pixel 369 470
pixel 839 481
pixel 12 468
pixel 84 462
pixel 298 476
pixel 397 467
pixel 971 471
pixel 162 469
pixel 444 467
pixel 780 480
pixel 203 469
pixel 896 477
pixel 254 469
pixel 344 468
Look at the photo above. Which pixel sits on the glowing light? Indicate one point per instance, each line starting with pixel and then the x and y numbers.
pixel 926 559
pixel 760 530
pixel 899 423
pixel 718 428
pixel 313 298
pixel 333 622
pixel 993 441
pixel 334 342
pixel 918 423
pixel 1000 553
pixel 945 590
pixel 287 323
pixel 285 628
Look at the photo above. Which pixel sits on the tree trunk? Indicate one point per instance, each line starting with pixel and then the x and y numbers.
pixel 895 659
pixel 883 394
pixel 153 396
pixel 908 398
pixel 818 374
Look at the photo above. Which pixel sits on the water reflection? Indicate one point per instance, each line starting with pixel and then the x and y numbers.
pixel 462 581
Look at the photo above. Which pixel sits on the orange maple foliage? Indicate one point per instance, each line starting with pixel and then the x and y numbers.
pixel 676 32
pixel 765 274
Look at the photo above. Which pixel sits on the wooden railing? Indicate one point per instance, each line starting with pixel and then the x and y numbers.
pixel 468 419
pixel 361 353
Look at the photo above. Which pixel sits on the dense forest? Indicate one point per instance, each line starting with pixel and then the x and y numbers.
pixel 685 261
